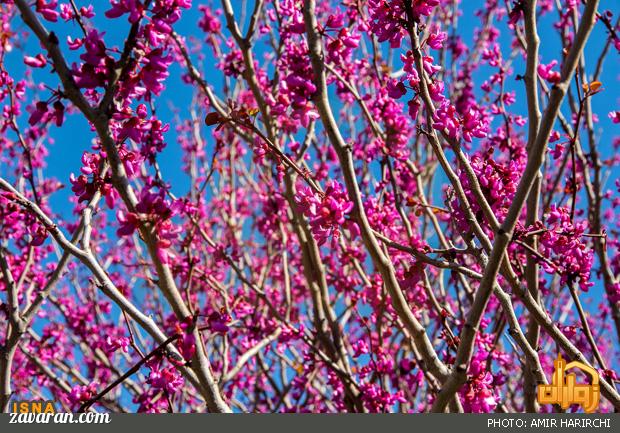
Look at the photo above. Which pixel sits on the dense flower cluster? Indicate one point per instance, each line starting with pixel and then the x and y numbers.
pixel 562 242
pixel 326 212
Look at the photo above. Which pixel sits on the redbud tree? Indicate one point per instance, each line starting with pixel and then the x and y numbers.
pixel 307 205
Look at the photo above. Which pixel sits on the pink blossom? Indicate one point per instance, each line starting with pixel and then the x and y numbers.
pixel 48 9
pixel 166 379
pixel 445 118
pixel 82 393
pixel 326 213
pixel 436 39
pixel 36 62
pixel 546 73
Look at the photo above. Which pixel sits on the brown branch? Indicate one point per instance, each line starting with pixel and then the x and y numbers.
pixel 343 151
pixel 504 234
pixel 100 120
pixel 533 199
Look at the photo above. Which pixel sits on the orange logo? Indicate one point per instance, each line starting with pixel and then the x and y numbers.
pixel 564 391
pixel 34 406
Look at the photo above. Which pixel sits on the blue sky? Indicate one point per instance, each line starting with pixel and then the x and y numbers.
pixel 75 136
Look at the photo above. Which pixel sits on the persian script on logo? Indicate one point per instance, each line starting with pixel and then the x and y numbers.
pixel 564 390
